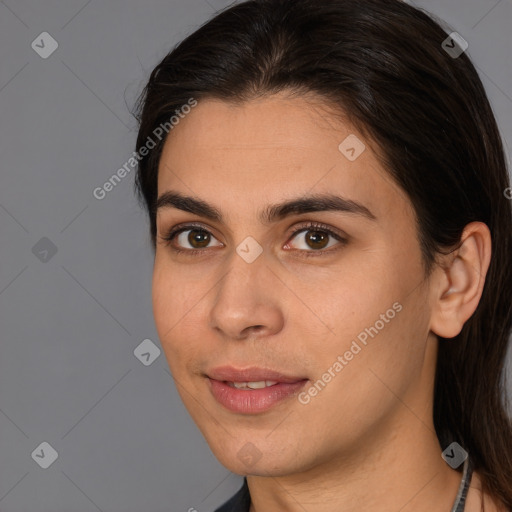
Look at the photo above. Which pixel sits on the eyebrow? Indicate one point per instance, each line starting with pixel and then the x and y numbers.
pixel 272 213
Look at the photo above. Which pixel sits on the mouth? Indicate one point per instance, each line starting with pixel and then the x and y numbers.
pixel 252 390
pixel 251 375
pixel 252 385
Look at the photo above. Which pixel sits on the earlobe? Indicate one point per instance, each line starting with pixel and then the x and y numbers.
pixel 459 281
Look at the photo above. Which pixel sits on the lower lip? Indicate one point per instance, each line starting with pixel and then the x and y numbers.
pixel 250 401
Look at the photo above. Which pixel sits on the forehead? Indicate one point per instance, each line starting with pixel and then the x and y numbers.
pixel 278 123
pixel 271 148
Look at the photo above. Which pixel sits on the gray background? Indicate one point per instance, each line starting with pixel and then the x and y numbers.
pixel 70 324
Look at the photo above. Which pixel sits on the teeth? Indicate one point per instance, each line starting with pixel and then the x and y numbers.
pixel 253 385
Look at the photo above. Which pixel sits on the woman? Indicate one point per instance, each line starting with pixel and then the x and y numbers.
pixel 332 289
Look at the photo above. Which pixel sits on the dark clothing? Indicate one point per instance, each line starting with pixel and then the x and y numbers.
pixel 241 501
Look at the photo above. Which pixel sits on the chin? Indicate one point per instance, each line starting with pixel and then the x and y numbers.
pixel 247 459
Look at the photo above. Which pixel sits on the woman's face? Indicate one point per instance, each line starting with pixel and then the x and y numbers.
pixel 343 318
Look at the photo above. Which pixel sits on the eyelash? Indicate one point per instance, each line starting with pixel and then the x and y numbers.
pixel 317 226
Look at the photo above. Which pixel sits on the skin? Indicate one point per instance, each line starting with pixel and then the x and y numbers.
pixel 367 440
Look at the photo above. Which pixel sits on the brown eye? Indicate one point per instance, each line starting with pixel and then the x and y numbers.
pixel 316 239
pixel 198 238
pixel 189 238
pixel 194 239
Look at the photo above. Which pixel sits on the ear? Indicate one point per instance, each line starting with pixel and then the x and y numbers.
pixel 459 280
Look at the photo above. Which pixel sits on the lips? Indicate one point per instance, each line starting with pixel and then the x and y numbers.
pixel 252 390
pixel 253 374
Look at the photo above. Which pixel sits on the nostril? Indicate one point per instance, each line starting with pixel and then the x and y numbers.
pixel 254 328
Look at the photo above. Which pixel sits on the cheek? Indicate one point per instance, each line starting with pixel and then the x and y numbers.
pixel 174 295
pixel 372 377
pixel 353 301
pixel 377 324
pixel 164 301
pixel 174 307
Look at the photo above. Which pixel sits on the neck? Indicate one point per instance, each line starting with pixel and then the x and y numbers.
pixel 400 470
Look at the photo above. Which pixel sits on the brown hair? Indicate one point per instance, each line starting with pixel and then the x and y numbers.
pixel 382 63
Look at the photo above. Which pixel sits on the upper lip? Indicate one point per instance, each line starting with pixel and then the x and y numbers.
pixel 251 374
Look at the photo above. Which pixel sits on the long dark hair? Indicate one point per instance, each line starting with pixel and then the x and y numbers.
pixel 383 64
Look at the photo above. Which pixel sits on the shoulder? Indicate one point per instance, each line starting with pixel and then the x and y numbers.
pixel 240 502
pixel 478 501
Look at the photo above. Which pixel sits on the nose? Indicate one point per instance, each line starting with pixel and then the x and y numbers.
pixel 247 302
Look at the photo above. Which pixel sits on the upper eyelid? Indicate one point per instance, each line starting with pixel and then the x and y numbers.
pixel 179 228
